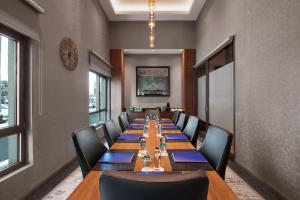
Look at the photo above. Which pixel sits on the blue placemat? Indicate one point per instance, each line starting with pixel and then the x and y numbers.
pixel 135 127
pixel 172 136
pixel 169 127
pixel 117 157
pixel 188 157
pixel 129 137
pixel 187 166
pixel 103 166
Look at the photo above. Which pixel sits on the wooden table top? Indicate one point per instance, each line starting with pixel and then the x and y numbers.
pixel 88 189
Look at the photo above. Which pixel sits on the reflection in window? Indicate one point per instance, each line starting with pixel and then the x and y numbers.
pixel 98 98
pixel 9 149
pixel 12 126
pixel 7 81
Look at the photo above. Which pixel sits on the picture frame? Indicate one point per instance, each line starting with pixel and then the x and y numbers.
pixel 153 81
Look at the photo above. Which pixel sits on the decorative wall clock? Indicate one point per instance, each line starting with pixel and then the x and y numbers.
pixel 69 53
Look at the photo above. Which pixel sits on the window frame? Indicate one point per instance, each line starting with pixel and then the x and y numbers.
pixel 107 110
pixel 227 55
pixel 21 73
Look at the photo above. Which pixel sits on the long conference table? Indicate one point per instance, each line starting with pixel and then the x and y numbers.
pixel 88 189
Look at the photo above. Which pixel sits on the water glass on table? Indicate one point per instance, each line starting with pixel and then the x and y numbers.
pixel 143 147
pixel 157 156
pixel 162 139
pixel 147 120
pixel 147 164
pixel 157 119
pixel 163 147
pixel 159 130
pixel 146 131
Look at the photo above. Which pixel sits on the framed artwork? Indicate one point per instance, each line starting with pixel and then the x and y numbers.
pixel 152 81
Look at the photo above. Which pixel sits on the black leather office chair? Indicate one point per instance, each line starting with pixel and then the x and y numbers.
pixel 181 121
pixel 123 121
pixel 116 185
pixel 129 119
pixel 88 148
pixel 175 116
pixel 111 132
pixel 191 129
pixel 216 148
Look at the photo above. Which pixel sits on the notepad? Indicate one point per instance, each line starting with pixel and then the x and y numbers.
pixel 129 137
pixel 188 157
pixel 117 157
pixel 135 127
pixel 169 127
pixel 175 136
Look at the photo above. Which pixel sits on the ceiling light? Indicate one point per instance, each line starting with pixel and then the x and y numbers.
pixel 151 5
pixel 151 23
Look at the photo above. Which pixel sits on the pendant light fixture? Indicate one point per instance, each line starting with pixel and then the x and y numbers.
pixel 151 23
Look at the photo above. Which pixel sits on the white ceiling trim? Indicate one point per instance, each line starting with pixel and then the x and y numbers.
pixel 128 6
pixel 152 51
pixel 187 14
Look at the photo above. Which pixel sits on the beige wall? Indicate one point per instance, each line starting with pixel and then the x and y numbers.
pixel 131 61
pixel 61 106
pixel 267 83
pixel 168 35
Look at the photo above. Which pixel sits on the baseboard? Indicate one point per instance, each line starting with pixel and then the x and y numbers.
pixel 47 185
pixel 262 182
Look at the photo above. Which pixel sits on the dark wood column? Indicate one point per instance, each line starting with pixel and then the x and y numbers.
pixel 117 81
pixel 189 81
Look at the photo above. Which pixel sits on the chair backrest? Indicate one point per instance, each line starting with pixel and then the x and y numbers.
pixel 129 119
pixel 181 121
pixel 88 148
pixel 137 186
pixel 216 148
pixel 123 121
pixel 175 116
pixel 111 132
pixel 191 129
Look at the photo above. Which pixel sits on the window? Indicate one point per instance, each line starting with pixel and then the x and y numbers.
pixel 99 90
pixel 12 112
pixel 216 91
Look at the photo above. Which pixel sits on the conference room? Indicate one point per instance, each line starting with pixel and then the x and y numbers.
pixel 149 99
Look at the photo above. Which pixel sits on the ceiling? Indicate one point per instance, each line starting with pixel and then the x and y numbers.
pixel 165 10
pixel 153 51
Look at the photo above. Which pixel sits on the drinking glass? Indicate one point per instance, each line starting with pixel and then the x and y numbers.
pixel 156 159
pixel 147 163
pixel 146 131
pixel 163 140
pixel 159 130
pixel 163 146
pixel 143 146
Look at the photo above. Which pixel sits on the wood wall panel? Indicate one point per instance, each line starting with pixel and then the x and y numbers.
pixel 117 81
pixel 189 81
